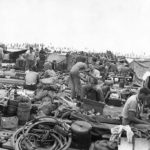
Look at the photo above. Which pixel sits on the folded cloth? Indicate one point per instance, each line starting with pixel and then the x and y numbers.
pixel 129 133
pixel 117 131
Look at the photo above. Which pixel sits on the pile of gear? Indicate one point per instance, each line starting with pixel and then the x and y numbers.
pixel 51 119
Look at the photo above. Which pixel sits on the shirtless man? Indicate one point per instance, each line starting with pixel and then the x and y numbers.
pixel 31 79
pixel 75 78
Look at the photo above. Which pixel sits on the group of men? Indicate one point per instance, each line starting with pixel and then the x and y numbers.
pixel 32 58
pixel 83 78
pixel 131 114
pixel 92 78
pixel 34 61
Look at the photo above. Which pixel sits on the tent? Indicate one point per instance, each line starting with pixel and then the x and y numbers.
pixel 14 53
pixel 129 60
pixel 140 67
pixel 60 60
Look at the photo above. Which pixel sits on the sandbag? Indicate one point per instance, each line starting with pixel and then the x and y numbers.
pixel 51 80
pixel 103 145
pixel 47 65
pixel 46 99
pixel 2 73
pixel 10 73
pixel 50 87
pixel 12 81
pixel 9 122
pixel 52 94
pixel 124 69
pixel 46 108
pixel 40 94
pixel 49 73
pixel 22 98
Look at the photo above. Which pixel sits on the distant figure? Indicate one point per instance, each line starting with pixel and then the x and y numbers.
pixel 6 58
pixel 42 58
pixel 42 55
pixel 37 59
pixel 1 56
pixel 54 65
pixel 20 63
pixel 30 59
pixel 94 60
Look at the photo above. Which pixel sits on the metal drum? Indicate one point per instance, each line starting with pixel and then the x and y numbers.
pixel 81 136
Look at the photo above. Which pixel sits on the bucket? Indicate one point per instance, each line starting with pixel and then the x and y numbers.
pixel 12 107
pixel 23 112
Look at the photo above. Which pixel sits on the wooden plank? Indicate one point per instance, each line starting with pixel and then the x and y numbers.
pixel 140 144
pixel 12 81
pixel 124 145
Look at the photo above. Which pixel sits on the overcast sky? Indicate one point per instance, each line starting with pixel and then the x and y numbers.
pixel 100 24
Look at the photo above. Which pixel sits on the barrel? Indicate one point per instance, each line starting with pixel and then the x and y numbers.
pixel 23 112
pixel 12 107
pixel 81 136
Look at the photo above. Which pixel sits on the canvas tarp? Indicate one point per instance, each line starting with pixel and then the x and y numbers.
pixel 15 50
pixel 140 67
pixel 14 53
pixel 57 57
pixel 73 58
pixel 129 60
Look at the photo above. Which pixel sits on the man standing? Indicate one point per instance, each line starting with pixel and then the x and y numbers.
pixel 20 62
pixel 1 56
pixel 75 78
pixel 42 58
pixel 30 59
pixel 54 65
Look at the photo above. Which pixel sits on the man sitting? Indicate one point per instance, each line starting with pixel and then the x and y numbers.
pixel 106 92
pixel 131 112
pixel 48 71
pixel 31 79
pixel 94 77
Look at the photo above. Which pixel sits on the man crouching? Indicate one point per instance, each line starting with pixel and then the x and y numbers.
pixel 93 83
